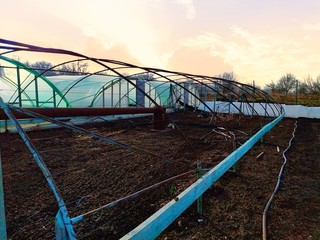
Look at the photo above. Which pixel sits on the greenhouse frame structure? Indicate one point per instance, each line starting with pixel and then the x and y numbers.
pixel 114 84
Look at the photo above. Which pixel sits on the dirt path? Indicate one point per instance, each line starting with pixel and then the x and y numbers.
pixel 296 211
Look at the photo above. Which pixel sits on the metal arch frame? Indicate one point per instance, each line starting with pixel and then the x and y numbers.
pixel 157 72
pixel 183 87
pixel 230 90
pixel 201 83
pixel 148 92
pixel 23 90
pixel 126 94
pixel 37 75
pixel 60 64
pixel 154 88
pixel 167 82
pixel 78 80
pixel 160 75
pixel 237 84
pixel 280 109
pixel 32 48
pixel 27 47
pixel 244 88
pixel 151 86
pixel 159 93
pixel 170 85
pixel 102 89
pixel 261 93
pixel 16 85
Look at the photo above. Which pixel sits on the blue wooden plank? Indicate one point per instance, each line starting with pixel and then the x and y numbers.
pixel 159 221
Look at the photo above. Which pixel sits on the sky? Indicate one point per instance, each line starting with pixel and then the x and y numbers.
pixel 256 40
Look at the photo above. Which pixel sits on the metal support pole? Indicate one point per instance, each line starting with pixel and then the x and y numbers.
pixel 199 200
pixel 36 90
pixel 3 228
pixel 120 94
pixel 128 98
pixel 112 93
pixel 266 110
pixel 185 96
pixel 19 87
pixel 230 97
pixel 54 99
pixel 140 99
pixel 214 97
pixel 103 98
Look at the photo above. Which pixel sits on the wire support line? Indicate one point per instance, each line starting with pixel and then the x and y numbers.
pixel 113 219
pixel 264 216
pixel 131 196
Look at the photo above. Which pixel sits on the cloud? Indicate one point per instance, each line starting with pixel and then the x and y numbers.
pixel 255 56
pixel 97 48
pixel 197 61
pixel 311 27
pixel 190 8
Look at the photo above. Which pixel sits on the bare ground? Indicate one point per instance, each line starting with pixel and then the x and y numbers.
pixel 91 173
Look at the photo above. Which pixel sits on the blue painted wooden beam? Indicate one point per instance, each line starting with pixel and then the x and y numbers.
pixel 159 221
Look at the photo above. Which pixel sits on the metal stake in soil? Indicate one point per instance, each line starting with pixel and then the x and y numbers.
pixel 199 200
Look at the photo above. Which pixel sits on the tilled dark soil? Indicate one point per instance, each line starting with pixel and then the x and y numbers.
pixel 233 207
pixel 91 173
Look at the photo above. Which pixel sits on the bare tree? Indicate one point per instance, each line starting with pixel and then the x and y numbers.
pixel 228 76
pixel 303 87
pixel 73 68
pixel 144 76
pixel 272 86
pixel 41 67
pixel 312 85
pixel 286 83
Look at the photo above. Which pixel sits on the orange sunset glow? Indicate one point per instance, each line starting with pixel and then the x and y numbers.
pixel 257 40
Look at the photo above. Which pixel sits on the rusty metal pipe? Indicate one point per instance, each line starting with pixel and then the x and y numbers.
pixel 75 112
pixel 159 113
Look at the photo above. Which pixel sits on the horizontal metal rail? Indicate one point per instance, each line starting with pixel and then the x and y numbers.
pixel 76 112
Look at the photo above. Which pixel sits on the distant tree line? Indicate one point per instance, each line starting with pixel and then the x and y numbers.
pixel 289 82
pixel 47 68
